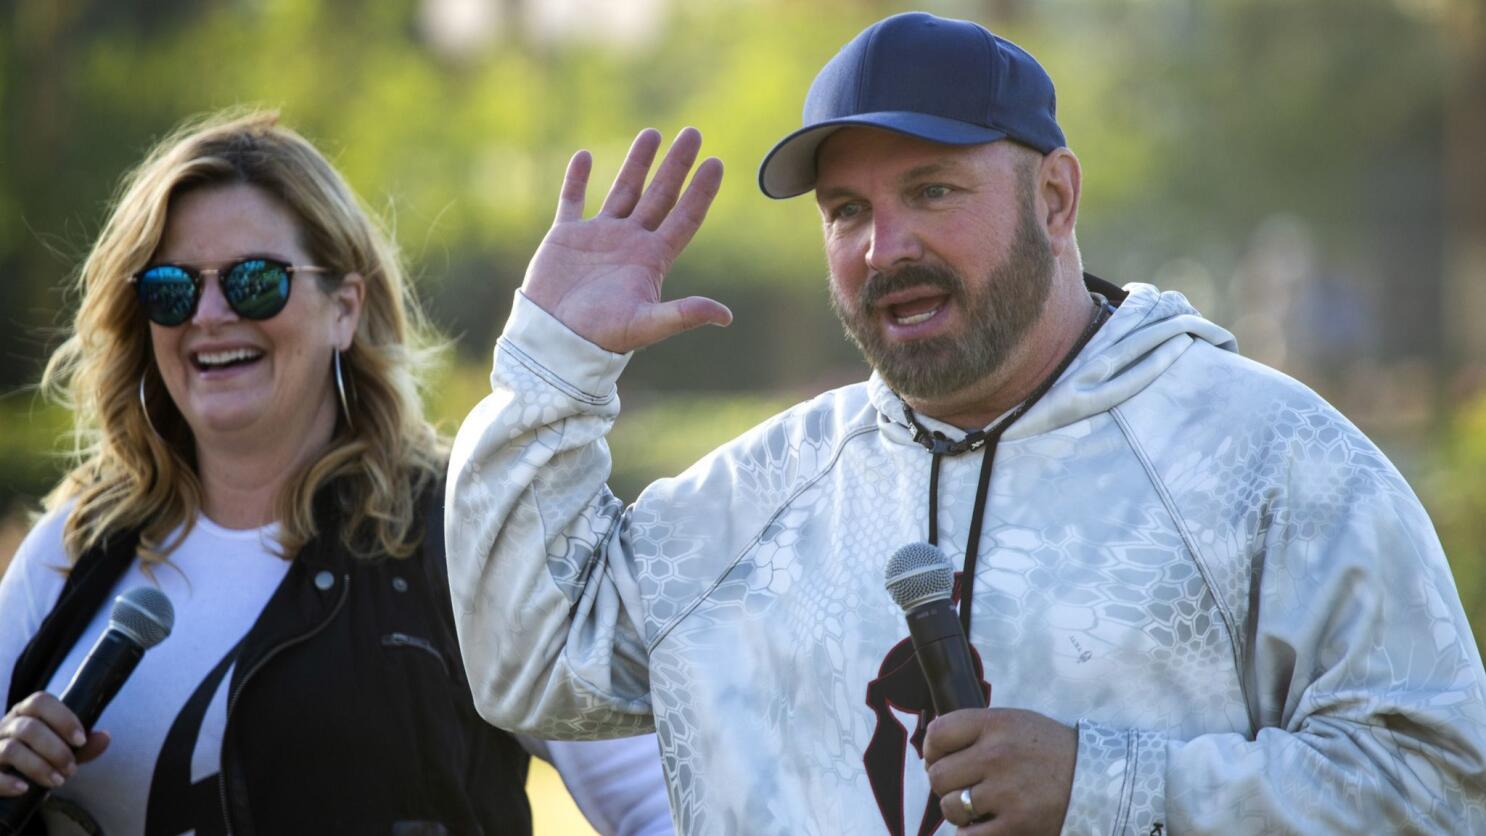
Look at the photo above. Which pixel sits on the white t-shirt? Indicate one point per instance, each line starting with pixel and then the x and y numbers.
pixel 167 720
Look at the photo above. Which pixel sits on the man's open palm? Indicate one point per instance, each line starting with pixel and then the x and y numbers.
pixel 602 277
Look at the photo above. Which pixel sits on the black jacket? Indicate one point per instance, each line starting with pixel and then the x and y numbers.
pixel 348 710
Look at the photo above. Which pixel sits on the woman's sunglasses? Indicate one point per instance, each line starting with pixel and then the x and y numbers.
pixel 255 288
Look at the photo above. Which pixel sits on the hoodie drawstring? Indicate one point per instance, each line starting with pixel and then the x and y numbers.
pixel 939 445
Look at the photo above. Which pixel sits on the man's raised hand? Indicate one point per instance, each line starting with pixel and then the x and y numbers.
pixel 602 277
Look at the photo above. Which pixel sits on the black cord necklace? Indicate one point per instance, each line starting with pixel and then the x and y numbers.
pixel 940 445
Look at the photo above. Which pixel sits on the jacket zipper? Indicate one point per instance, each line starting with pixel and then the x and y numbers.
pixel 405 640
pixel 232 698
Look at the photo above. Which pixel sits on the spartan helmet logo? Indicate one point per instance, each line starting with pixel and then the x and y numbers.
pixel 900 685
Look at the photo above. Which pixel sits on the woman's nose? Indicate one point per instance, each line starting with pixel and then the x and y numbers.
pixel 213 307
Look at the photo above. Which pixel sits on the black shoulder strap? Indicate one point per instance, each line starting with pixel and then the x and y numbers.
pixel 436 566
pixel 93 576
pixel 434 562
pixel 436 570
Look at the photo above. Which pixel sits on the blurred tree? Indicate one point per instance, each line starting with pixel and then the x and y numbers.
pixel 1196 124
pixel 1199 122
pixel 1458 490
pixel 1464 25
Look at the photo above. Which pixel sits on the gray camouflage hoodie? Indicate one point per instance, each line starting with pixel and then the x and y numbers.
pixel 1194 559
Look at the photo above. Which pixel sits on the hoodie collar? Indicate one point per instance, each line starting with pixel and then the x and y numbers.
pixel 1147 333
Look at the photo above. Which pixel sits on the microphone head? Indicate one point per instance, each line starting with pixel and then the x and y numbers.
pixel 143 614
pixel 917 574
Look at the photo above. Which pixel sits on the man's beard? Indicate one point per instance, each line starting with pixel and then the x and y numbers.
pixel 998 315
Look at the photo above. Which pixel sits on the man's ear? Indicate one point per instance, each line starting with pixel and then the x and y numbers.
pixel 347 297
pixel 1060 183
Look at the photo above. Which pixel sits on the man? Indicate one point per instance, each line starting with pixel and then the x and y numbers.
pixel 1205 602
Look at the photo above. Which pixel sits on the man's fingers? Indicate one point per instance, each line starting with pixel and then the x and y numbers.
pixel 990 827
pixel 694 312
pixel 668 319
pixel 684 221
pixel 985 820
pixel 630 180
pixel 954 731
pixel 661 195
pixel 952 806
pixel 574 188
pixel 952 773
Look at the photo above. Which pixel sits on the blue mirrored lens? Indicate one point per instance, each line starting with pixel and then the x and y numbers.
pixel 167 294
pixel 256 289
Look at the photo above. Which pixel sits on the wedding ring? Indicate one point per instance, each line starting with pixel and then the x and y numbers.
pixel 966 803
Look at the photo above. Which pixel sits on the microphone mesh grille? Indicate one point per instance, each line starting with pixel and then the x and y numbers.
pixel 143 613
pixel 919 573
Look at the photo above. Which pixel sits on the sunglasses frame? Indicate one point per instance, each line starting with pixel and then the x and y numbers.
pixel 198 280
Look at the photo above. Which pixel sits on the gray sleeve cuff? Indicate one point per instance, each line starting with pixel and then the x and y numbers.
pixel 1119 783
pixel 541 343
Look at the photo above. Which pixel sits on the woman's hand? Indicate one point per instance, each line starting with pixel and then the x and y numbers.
pixel 602 277
pixel 42 741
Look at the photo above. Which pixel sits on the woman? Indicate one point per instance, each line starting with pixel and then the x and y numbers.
pixel 243 373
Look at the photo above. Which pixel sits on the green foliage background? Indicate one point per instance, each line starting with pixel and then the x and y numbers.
pixel 1197 123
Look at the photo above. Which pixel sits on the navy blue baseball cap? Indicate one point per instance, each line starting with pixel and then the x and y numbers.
pixel 943 80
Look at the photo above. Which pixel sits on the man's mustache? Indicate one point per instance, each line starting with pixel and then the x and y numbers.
pixel 880 285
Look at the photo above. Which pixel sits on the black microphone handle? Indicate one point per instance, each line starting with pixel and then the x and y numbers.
pixel 944 655
pixel 101 675
pixel 113 657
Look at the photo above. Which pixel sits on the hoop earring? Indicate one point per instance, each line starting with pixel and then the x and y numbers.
pixel 340 386
pixel 145 408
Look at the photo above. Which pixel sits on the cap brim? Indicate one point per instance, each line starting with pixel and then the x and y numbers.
pixel 789 168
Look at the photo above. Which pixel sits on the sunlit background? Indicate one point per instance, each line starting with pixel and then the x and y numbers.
pixel 1309 172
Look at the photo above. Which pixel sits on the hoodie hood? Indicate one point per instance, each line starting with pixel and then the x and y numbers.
pixel 1146 334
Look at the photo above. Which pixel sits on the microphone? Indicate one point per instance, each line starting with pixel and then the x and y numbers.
pixel 921 580
pixel 140 619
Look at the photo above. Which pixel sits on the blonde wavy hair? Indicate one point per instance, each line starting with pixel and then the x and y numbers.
pixel 125 476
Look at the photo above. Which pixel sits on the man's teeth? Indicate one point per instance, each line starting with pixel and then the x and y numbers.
pixel 222 358
pixel 915 319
